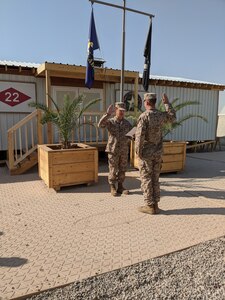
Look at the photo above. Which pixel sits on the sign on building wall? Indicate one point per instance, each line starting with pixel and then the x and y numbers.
pixel 15 96
pixel 129 100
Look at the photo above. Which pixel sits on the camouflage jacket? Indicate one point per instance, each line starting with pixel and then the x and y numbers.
pixel 117 140
pixel 148 136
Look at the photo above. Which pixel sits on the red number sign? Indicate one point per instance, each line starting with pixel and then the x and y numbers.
pixel 13 97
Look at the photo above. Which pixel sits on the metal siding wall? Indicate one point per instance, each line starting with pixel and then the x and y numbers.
pixel 41 91
pixel 7 120
pixel 110 98
pixel 110 94
pixel 194 129
pixel 191 130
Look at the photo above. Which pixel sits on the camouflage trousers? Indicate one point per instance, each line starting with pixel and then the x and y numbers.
pixel 117 167
pixel 149 174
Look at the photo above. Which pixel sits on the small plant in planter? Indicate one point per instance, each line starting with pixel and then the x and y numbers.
pixel 66 163
pixel 174 152
pixel 65 119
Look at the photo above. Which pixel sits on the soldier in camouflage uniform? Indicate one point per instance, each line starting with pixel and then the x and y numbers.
pixel 117 146
pixel 149 148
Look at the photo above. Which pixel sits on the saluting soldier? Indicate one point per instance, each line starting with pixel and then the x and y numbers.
pixel 117 146
pixel 149 148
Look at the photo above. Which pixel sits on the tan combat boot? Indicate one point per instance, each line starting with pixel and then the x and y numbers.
pixel 156 207
pixel 113 190
pixel 122 190
pixel 147 209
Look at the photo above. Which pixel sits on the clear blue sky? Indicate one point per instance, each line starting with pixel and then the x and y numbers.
pixel 188 35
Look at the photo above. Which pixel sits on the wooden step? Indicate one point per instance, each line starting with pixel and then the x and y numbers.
pixel 25 165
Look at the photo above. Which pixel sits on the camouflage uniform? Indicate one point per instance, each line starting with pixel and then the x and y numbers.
pixel 149 148
pixel 117 147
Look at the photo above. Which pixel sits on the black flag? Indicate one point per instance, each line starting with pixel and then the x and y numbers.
pixel 147 55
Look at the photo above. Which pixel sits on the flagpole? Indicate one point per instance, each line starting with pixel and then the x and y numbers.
pixel 123 52
pixel 124 8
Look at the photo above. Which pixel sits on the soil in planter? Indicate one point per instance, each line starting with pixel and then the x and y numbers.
pixel 59 147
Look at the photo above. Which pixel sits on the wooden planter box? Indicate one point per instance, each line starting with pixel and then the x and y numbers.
pixel 174 156
pixel 64 167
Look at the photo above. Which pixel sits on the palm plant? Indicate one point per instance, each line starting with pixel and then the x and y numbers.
pixel 66 118
pixel 169 127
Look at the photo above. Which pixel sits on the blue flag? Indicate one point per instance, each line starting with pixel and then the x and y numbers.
pixel 93 44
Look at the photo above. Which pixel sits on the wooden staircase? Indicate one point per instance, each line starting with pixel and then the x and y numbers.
pixel 26 164
pixel 23 140
pixel 25 136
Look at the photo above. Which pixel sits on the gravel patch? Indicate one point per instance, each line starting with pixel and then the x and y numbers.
pixel 194 273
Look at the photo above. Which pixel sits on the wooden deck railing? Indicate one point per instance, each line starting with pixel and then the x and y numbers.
pixel 23 138
pixel 88 132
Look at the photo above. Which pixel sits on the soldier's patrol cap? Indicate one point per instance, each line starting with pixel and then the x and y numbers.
pixel 150 96
pixel 120 106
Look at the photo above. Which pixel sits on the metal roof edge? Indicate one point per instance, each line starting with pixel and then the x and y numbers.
pixel 152 77
pixel 183 80
pixel 11 63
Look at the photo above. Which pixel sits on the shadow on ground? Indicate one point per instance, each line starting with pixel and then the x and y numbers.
pixel 31 175
pixel 196 211
pixel 12 262
pixel 131 183
pixel 220 195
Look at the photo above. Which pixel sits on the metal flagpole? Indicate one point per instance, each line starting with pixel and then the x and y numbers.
pixel 123 52
pixel 124 8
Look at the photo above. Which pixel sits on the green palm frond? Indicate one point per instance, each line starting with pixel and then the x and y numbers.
pixel 174 101
pixel 56 106
pixel 41 106
pixel 168 128
pixel 190 116
pixel 89 104
pixel 49 117
pixel 179 106
pixel 67 118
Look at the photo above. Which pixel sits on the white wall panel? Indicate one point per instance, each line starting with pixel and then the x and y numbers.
pixel 195 128
pixel 7 120
pixel 191 130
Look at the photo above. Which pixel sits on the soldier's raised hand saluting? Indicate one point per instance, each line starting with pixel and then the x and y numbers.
pixel 165 99
pixel 110 110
